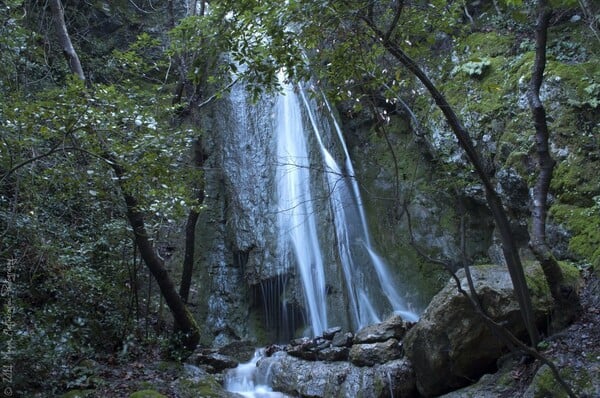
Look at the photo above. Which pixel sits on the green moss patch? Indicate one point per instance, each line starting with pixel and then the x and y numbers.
pixel 584 224
pixel 147 394
pixel 490 43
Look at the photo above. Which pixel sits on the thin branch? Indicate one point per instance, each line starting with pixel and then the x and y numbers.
pixel 53 150
pixel 215 95
pixel 394 23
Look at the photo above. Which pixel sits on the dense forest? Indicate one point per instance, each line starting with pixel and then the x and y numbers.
pixel 141 198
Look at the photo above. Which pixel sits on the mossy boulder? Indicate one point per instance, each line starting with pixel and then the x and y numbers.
pixel 581 380
pixel 451 345
pixel 195 382
pixel 147 394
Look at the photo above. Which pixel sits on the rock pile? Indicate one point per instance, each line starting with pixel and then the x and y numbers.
pixel 340 363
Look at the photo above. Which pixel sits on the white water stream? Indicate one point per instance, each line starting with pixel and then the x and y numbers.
pixel 244 380
pixel 296 216
pixel 371 290
pixel 353 239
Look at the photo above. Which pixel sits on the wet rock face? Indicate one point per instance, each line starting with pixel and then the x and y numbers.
pixel 373 353
pixel 450 346
pixel 303 378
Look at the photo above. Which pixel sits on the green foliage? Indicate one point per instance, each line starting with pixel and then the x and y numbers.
pixel 61 210
pixel 142 60
pixel 473 68
pixel 21 60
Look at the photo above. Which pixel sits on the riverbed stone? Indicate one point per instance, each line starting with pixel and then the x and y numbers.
pixel 331 332
pixel 333 354
pixel 342 339
pixel 212 361
pixel 241 351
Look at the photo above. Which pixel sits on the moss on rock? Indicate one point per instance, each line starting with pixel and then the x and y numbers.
pixel 545 385
pixel 147 394
pixel 205 386
pixel 584 224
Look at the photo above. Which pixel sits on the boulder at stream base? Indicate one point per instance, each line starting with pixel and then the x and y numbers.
pixel 451 347
pixel 299 377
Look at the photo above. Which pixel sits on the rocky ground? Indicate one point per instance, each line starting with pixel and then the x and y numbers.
pixel 575 351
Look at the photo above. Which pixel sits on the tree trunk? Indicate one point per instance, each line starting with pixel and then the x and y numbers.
pixel 509 246
pixel 63 38
pixel 190 229
pixel 183 318
pixel 567 305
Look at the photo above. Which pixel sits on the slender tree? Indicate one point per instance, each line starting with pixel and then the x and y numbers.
pixel 62 34
pixel 183 318
pixel 565 298
pixel 190 227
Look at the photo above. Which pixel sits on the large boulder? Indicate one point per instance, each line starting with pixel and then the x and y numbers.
pixel 298 377
pixel 450 346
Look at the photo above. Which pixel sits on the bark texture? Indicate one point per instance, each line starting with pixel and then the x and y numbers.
pixel 567 305
pixel 64 39
pixel 190 228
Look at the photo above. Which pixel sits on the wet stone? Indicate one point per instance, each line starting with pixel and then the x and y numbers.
pixel 342 339
pixel 332 354
pixel 331 332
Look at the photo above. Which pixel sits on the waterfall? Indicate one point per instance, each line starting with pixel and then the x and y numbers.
pixel 371 291
pixel 385 279
pixel 296 216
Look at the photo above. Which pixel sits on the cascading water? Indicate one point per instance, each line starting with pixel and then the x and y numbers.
pixel 385 279
pixel 368 299
pixel 370 290
pixel 296 216
pixel 245 381
pixel 358 258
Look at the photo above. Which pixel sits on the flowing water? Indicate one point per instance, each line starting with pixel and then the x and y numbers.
pixel 371 292
pixel 358 258
pixel 296 215
pixel 245 381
